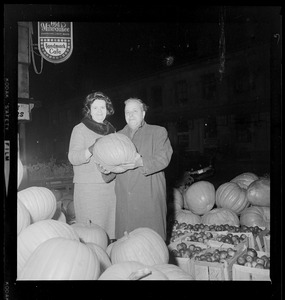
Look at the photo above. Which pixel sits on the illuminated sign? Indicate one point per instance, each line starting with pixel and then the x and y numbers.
pixel 55 40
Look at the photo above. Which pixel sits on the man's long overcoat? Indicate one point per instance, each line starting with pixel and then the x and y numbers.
pixel 141 193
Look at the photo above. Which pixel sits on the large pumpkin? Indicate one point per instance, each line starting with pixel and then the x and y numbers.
pixel 37 233
pixel 142 244
pixel 178 201
pixel 103 257
pixel 40 202
pixel 186 216
pixel 113 150
pixel 256 216
pixel 20 171
pixel 245 179
pixel 200 197
pixel 91 233
pixel 127 269
pixel 231 195
pixel 61 259
pixel 219 216
pixel 173 272
pixel 258 192
pixel 23 217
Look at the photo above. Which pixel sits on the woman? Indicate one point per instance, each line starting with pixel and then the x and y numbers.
pixel 94 196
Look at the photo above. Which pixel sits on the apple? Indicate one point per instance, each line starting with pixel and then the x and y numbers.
pixel 259 266
pixel 209 258
pixel 206 227
pixel 231 252
pixel 249 258
pixel 241 260
pixel 187 254
pixel 182 252
pixel 252 252
pixel 254 263
pixel 223 254
pixel 226 226
pixel 260 261
pixel 202 257
pixel 248 264
pixel 181 245
pixel 265 258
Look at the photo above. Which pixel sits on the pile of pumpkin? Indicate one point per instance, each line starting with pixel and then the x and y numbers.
pixel 48 248
pixel 243 201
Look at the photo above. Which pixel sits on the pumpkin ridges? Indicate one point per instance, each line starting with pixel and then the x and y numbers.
pixel 39 201
pixel 200 197
pixel 37 233
pixel 64 254
pixel 230 195
pixel 221 216
pixel 23 217
pixel 136 246
pixel 256 216
pixel 120 150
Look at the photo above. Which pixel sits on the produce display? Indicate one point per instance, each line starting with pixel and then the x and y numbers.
pixel 218 255
pixel 251 259
pixel 211 237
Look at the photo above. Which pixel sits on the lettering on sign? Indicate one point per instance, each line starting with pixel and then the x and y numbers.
pixel 55 40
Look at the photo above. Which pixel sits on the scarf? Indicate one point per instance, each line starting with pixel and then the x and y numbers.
pixel 101 128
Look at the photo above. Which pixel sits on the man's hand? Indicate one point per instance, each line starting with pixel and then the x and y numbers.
pixel 129 166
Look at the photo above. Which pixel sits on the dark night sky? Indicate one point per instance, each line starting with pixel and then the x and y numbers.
pixel 117 43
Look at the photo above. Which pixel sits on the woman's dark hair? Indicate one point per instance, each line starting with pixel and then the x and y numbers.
pixel 97 96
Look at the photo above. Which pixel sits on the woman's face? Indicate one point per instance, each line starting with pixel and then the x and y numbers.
pixel 98 110
pixel 134 114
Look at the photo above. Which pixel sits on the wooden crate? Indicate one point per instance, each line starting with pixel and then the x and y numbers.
pixel 183 262
pixel 263 241
pixel 248 243
pixel 242 273
pixel 202 270
pixel 266 240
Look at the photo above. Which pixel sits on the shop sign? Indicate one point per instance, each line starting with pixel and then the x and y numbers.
pixel 55 40
pixel 24 111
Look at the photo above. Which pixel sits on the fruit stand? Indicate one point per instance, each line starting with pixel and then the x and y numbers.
pixel 218 234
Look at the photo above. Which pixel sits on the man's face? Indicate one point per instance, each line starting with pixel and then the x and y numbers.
pixel 134 114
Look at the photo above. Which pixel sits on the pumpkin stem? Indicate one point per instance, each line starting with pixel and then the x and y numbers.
pixel 139 274
pixel 82 241
pixel 126 234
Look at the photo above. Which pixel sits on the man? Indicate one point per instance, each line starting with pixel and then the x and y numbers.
pixel 141 190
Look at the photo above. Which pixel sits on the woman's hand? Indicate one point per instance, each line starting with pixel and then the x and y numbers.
pixel 102 169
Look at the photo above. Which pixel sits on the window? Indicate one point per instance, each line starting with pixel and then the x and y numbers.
pixel 181 94
pixel 209 87
pixel 156 96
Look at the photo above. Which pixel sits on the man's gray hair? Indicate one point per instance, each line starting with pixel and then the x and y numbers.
pixel 144 106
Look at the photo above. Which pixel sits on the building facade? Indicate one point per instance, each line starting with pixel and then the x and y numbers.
pixel 206 112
